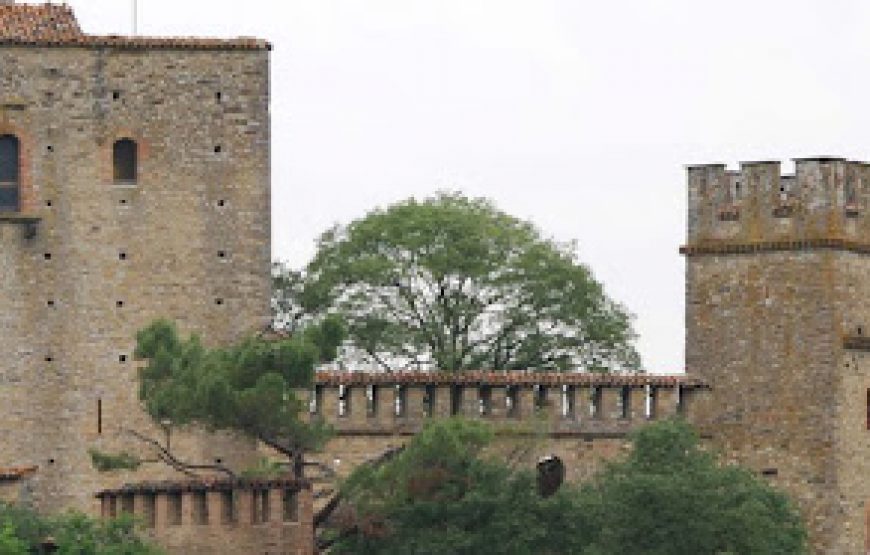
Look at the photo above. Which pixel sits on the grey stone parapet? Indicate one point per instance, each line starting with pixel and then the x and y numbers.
pixel 826 198
pixel 362 403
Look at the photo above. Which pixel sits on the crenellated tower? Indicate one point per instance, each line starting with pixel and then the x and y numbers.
pixel 777 289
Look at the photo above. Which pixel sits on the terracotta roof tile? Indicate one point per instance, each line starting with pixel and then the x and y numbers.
pixel 28 22
pixel 505 378
pixel 16 472
pixel 56 25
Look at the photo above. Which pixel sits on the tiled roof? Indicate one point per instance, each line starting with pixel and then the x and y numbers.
pixel 32 22
pixel 56 25
pixel 16 473
pixel 505 378
pixel 217 484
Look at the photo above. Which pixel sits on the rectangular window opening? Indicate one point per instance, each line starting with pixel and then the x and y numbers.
pixel 228 507
pixel 200 507
pixel 455 400
pixel 625 402
pixel 291 505
pixel 540 393
pixel 149 509
pixel 401 402
pixel 173 515
pixel 429 401
pixel 485 393
pixel 595 403
pixel 343 400
pixel 568 401
pixel 371 401
pixel 512 401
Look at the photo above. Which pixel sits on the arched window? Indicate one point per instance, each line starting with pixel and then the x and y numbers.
pixel 124 161
pixel 9 173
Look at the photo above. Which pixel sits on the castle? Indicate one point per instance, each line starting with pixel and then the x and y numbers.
pixel 134 184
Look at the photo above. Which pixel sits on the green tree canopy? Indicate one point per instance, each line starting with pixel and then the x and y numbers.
pixel 22 531
pixel 453 283
pixel 670 497
pixel 248 387
pixel 441 495
pixel 666 497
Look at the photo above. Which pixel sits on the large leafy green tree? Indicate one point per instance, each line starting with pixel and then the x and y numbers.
pixel 247 387
pixel 453 283
pixel 668 496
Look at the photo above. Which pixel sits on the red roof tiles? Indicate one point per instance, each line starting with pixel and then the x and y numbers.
pixel 56 25
pixel 16 473
pixel 505 378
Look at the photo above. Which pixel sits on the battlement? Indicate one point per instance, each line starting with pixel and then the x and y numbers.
pixel 220 516
pixel 826 198
pixel 568 403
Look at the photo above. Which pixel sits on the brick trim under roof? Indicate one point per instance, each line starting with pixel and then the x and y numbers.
pixel 505 378
pixel 16 473
pixel 53 25
pixel 169 486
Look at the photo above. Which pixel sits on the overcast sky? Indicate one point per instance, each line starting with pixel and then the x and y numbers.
pixel 574 114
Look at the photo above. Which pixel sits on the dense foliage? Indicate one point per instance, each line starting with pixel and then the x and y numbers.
pixel 453 283
pixel 667 497
pixel 22 532
pixel 248 387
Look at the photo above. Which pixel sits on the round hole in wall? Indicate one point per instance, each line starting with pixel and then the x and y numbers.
pixel 222 254
pixel 50 461
pixel 218 301
pixel 218 461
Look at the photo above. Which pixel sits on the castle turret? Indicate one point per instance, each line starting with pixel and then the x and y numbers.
pixel 776 278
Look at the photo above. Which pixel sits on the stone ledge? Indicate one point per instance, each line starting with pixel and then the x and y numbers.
pixel 775 246
pixel 19 218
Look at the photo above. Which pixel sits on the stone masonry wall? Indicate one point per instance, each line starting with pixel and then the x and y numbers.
pixel 776 275
pixel 190 518
pixel 190 241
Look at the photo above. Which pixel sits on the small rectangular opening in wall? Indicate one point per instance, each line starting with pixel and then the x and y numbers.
pixel 127 501
pixel 401 401
pixel 868 408
pixel 343 401
pixel 173 508
pixel 652 403
pixel 429 401
pixel 770 472
pixel 512 401
pixel 200 508
pixel 485 394
pixel 455 400
pixel 260 506
pixel 264 507
pixel 371 401
pixel 99 416
pixel 228 507
pixel 681 401
pixel 625 402
pixel 113 506
pixel 540 394
pixel 291 505
pixel 568 401
pixel 149 509
pixel 595 402
pixel 315 404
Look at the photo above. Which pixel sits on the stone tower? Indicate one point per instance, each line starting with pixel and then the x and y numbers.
pixel 777 303
pixel 134 185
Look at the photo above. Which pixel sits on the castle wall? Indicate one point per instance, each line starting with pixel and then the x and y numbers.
pixel 584 436
pixel 190 241
pixel 190 518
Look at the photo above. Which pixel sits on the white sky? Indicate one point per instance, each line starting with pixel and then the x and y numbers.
pixel 577 115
